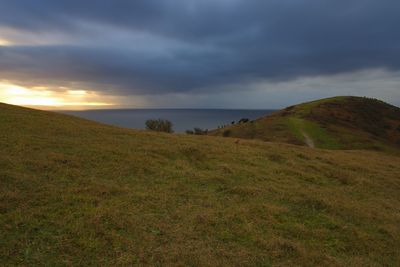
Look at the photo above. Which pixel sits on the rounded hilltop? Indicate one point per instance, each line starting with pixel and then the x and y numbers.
pixel 343 122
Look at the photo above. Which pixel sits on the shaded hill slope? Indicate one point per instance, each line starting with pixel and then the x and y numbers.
pixel 75 192
pixel 335 123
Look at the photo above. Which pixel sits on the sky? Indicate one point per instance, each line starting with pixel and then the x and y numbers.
pixel 74 54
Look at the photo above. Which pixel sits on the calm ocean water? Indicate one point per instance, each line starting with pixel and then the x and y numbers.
pixel 182 119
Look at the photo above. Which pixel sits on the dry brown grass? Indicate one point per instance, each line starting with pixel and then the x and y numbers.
pixel 74 192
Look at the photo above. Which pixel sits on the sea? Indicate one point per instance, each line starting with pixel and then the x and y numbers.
pixel 182 119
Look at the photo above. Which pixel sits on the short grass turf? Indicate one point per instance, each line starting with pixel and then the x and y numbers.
pixel 78 193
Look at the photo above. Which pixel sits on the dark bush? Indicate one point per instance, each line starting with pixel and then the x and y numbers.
pixel 199 131
pixel 226 133
pixel 244 120
pixel 159 125
pixel 189 132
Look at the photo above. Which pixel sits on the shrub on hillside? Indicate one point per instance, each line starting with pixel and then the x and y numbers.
pixel 226 133
pixel 199 131
pixel 159 125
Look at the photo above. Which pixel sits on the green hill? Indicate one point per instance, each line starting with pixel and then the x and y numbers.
pixel 333 123
pixel 78 193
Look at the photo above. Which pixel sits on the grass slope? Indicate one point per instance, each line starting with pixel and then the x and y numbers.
pixel 332 123
pixel 74 192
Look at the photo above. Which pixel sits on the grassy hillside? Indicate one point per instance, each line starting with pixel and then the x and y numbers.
pixel 333 123
pixel 74 192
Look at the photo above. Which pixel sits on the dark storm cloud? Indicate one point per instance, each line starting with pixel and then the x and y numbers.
pixel 198 45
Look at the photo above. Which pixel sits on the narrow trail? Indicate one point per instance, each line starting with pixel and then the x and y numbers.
pixel 308 140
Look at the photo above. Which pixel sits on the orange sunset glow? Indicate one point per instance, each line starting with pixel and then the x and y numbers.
pixel 45 97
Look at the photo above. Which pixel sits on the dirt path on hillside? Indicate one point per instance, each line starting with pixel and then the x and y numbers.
pixel 308 140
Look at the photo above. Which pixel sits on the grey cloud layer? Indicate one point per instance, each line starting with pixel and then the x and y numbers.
pixel 198 45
